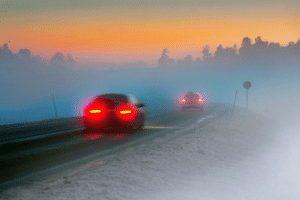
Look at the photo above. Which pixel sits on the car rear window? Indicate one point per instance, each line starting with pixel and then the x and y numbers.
pixel 191 96
pixel 111 101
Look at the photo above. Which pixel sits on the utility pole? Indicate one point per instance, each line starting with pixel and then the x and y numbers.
pixel 234 101
pixel 54 106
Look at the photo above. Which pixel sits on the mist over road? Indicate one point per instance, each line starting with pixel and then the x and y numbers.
pixel 23 161
pixel 237 155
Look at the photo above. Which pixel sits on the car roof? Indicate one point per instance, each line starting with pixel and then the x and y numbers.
pixel 117 98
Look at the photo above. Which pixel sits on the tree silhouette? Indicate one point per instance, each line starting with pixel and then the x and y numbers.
pixel 171 61
pixel 70 59
pixel 58 58
pixel 179 62
pixel 246 48
pixel 188 59
pixel 164 59
pixel 198 60
pixel 246 42
pixel 206 54
pixel 6 55
pixel 219 52
pixel 24 53
pixel 260 48
pixel 274 51
pixel 227 54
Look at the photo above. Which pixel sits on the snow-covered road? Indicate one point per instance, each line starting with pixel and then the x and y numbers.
pixel 238 156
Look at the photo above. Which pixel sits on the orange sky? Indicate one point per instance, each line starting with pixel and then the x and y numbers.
pixel 123 33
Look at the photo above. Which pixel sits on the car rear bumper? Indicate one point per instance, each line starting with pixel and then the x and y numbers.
pixel 191 106
pixel 112 124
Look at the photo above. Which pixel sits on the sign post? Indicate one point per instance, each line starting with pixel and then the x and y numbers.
pixel 247 85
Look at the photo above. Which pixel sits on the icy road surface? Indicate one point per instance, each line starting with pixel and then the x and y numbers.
pixel 238 156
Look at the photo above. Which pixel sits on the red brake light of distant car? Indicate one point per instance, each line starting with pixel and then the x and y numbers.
pixel 183 100
pixel 126 112
pixel 200 100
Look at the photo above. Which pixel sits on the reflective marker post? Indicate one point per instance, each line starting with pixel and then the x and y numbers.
pixel 247 85
pixel 234 102
pixel 54 106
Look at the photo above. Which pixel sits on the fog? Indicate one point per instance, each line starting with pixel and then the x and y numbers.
pixel 25 94
pixel 270 171
pixel 239 156
pixel 27 86
pixel 28 82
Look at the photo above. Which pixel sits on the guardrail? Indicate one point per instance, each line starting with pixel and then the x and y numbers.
pixel 34 123
pixel 19 131
pixel 28 129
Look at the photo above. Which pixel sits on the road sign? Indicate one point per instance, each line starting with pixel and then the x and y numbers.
pixel 247 85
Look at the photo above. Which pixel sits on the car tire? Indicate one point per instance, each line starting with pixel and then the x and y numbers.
pixel 141 126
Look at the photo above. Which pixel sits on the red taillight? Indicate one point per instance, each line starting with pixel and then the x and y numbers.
pixel 126 112
pixel 200 100
pixel 95 111
pixel 183 100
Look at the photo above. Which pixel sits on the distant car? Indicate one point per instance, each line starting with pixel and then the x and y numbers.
pixel 192 101
pixel 114 113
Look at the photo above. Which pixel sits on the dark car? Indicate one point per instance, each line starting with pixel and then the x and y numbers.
pixel 192 101
pixel 114 113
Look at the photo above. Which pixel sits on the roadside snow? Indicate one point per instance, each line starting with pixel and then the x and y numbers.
pixel 237 156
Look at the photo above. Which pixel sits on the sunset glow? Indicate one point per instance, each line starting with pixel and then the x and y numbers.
pixel 132 32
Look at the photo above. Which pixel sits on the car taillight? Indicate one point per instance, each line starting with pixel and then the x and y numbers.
pixel 183 100
pixel 200 100
pixel 126 112
pixel 95 111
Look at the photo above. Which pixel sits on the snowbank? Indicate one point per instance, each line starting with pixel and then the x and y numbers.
pixel 238 156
